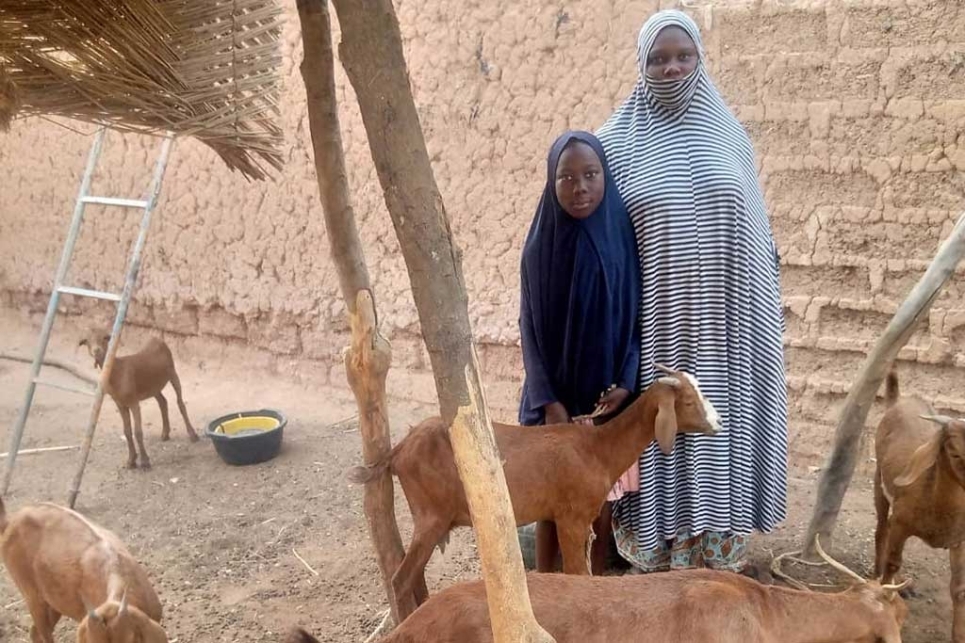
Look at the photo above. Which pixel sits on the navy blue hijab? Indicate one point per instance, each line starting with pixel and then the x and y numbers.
pixel 579 298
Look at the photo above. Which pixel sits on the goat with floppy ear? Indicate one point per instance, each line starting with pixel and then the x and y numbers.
pixel 920 489
pixel 135 378
pixel 560 473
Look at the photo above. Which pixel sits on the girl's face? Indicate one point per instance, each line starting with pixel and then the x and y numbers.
pixel 580 183
pixel 673 55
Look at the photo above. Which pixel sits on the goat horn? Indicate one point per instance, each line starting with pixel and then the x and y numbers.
pixel 777 571
pixel 122 610
pixel 943 420
pixel 673 382
pixel 835 564
pixel 663 369
pixel 898 587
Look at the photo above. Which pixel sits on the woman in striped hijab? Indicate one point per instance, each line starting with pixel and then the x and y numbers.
pixel 710 304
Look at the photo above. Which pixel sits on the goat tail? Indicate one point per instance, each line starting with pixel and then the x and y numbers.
pixel 369 473
pixel 299 635
pixel 891 386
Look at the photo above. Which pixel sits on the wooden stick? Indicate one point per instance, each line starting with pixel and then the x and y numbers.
pixel 56 363
pixel 42 450
pixel 302 560
pixel 837 473
pixel 368 358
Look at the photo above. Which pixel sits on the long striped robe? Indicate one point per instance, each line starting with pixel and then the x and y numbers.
pixel 710 302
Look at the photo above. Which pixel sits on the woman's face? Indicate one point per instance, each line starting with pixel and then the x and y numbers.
pixel 580 183
pixel 673 55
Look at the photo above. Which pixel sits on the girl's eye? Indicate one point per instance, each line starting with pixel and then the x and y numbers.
pixel 592 174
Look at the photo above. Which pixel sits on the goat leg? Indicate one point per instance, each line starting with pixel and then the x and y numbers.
pixel 894 547
pixel 956 557
pixel 424 539
pixel 176 385
pixel 162 404
pixel 882 508
pixel 131 452
pixel 42 630
pixel 139 434
pixel 574 541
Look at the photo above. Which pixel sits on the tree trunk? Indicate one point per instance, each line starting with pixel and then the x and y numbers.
pixel 371 51
pixel 368 358
pixel 841 464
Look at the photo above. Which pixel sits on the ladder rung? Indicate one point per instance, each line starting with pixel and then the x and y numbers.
pixel 64 387
pixel 109 200
pixel 84 292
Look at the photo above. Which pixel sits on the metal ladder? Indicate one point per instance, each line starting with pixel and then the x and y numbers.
pixel 84 198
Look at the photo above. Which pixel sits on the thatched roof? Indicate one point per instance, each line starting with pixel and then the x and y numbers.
pixel 202 68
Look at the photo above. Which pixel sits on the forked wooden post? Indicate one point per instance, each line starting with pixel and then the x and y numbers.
pixel 839 469
pixel 368 358
pixel 372 54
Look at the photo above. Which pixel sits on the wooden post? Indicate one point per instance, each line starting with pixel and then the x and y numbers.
pixel 371 52
pixel 368 358
pixel 839 469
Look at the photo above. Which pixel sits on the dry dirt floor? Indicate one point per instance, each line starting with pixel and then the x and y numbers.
pixel 219 542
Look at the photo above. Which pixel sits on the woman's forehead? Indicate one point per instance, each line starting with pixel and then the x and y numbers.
pixel 662 21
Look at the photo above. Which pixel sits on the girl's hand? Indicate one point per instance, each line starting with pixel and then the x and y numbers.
pixel 611 401
pixel 556 413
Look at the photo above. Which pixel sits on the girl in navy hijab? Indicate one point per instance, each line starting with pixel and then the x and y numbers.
pixel 579 305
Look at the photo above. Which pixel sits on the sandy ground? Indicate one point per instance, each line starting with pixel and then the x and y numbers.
pixel 218 541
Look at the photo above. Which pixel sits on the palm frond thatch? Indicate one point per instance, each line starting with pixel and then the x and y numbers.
pixel 9 99
pixel 202 68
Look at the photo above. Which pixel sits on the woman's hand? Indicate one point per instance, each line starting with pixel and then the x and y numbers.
pixel 556 413
pixel 611 401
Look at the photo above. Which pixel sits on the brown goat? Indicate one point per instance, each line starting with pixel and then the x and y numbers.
pixel 920 489
pixel 135 378
pixel 63 565
pixel 558 473
pixel 115 622
pixel 672 607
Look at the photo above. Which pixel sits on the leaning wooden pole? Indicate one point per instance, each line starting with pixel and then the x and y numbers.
pixel 371 52
pixel 841 464
pixel 368 358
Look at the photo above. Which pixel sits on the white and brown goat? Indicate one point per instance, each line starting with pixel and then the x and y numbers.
pixel 135 378
pixel 560 473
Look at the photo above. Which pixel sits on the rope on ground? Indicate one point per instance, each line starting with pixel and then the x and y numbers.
pixel 386 616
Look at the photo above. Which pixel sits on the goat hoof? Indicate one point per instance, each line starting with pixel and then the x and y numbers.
pixel 131 464
pixel 165 437
pixel 145 464
pixel 194 437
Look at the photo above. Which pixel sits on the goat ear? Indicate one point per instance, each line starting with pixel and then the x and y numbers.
pixel 922 460
pixel 665 425
pixel 955 450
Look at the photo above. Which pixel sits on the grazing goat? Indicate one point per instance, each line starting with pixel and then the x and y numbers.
pixel 671 607
pixel 558 473
pixel 920 489
pixel 64 565
pixel 135 378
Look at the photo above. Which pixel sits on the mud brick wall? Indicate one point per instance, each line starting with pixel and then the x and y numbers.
pixel 856 108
